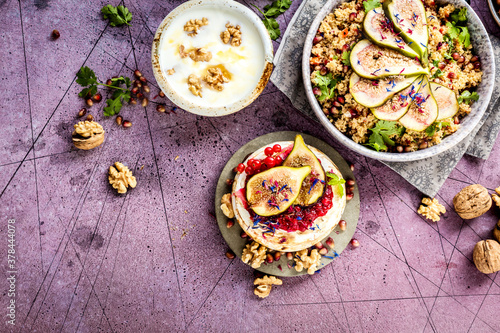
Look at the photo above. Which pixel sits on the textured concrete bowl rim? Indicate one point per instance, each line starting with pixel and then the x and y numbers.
pixel 235 106
pixel 494 13
pixel 447 143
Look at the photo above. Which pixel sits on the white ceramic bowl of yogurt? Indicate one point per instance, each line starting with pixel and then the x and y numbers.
pixel 248 65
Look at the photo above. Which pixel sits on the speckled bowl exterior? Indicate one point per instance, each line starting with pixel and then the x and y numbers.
pixel 226 109
pixel 494 12
pixel 482 46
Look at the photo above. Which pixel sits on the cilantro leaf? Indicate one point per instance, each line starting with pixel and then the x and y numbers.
pixel 346 58
pixel 382 133
pixel 467 97
pixel 272 26
pixel 115 103
pixel 326 83
pixel 335 180
pixel 435 63
pixel 117 16
pixel 435 127
pixel 453 31
pixel 459 17
pixel 437 73
pixel 277 8
pixel 460 33
pixel 85 77
pixel 371 4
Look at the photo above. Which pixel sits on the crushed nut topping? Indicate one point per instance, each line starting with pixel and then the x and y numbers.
pixel 194 85
pixel 433 210
pixel 120 177
pixel 264 285
pixel 311 262
pixel 197 54
pixel 88 128
pixel 231 34
pixel 193 26
pixel 215 78
pixel 226 206
pixel 496 197
pixel 254 254
pixel 171 71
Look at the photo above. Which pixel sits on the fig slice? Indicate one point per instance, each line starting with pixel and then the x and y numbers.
pixel 423 110
pixel 373 93
pixel 371 61
pixel 446 101
pixel 410 21
pixel 399 104
pixel 271 192
pixel 380 31
pixel 313 185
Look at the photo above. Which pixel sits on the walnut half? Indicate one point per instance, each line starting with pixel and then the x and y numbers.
pixel 433 210
pixel 120 177
pixel 231 34
pixel 254 254
pixel 192 26
pixel 194 85
pixel 265 284
pixel 472 201
pixel 215 78
pixel 87 135
pixel 311 262
pixel 226 205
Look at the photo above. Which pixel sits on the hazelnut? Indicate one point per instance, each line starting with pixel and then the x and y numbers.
pixel 496 231
pixel 472 201
pixel 486 256
pixel 87 135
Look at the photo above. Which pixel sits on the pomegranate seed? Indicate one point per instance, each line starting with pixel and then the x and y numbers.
pixel 354 242
pixel 161 108
pixel 137 73
pixel 456 121
pixel 277 256
pixel 249 170
pixel 229 181
pixel 352 16
pixel 330 242
pixel 240 168
pixel 442 65
pixel 351 182
pixel 317 39
pixel 146 89
pixel 140 96
pixel 423 145
pixel 399 149
pixel 127 123
pixel 145 102
pixel 161 94
pixel 243 235
pixel 97 97
pixel 119 120
pixel 82 112
pixel 337 104
pixel 341 99
pixel 55 34
pixel 451 75
pixel 317 91
pixel 132 101
pixel 109 82
pixel 345 47
pixel 323 251
pixel 137 84
pixel 477 65
pixel 455 56
pixel 461 59
pixel 268 151
pixel 342 225
pixel 134 90
pixel 474 59
pixel 319 246
pixel 334 111
pixel 269 258
pixel 323 71
pixel 352 167
pixel 90 117
pixel 89 102
pixel 349 196
pixel 229 223
pixel 408 149
pixel 289 256
pixel 270 162
pixel 230 254
pixel 353 113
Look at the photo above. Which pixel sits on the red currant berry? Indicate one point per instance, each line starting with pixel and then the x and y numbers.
pixel 276 148
pixel 263 167
pixel 270 162
pixel 249 170
pixel 278 160
pixel 255 164
pixel 240 168
pixel 268 151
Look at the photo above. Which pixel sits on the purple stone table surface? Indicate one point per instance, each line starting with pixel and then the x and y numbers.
pixel 153 260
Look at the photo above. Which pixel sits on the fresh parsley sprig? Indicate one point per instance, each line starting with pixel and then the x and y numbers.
pixel 457 27
pixel 117 16
pixel 435 127
pixel 467 97
pixel 326 83
pixel 335 180
pixel 87 79
pixel 270 13
pixel 382 133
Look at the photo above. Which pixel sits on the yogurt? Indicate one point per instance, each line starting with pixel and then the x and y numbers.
pixel 242 65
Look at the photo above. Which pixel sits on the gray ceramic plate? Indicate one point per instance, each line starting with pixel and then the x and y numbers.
pixel 482 45
pixel 232 235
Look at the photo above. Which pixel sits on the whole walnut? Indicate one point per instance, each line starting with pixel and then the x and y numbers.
pixel 486 256
pixel 87 135
pixel 472 201
pixel 496 231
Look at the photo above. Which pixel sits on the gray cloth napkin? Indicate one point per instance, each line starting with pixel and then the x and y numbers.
pixel 427 175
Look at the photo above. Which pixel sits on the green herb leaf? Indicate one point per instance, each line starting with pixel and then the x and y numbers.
pixel 382 133
pixel 346 58
pixel 272 26
pixel 85 77
pixel 371 4
pixel 467 97
pixel 115 103
pixel 464 36
pixel 453 31
pixel 117 16
pixel 435 127
pixel 277 8
pixel 437 73
pixel 326 83
pixel 435 63
pixel 335 180
pixel 459 17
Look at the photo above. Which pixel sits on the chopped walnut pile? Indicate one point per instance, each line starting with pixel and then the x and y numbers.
pixel 311 262
pixel 232 34
pixel 215 78
pixel 226 206
pixel 265 284
pixel 120 177
pixel 197 54
pixel 254 254
pixel 193 26
pixel 194 85
pixel 87 135
pixel 433 210
pixel 171 71
pixel 496 197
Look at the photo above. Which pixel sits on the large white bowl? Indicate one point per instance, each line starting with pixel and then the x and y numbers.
pixel 483 49
pixel 244 101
